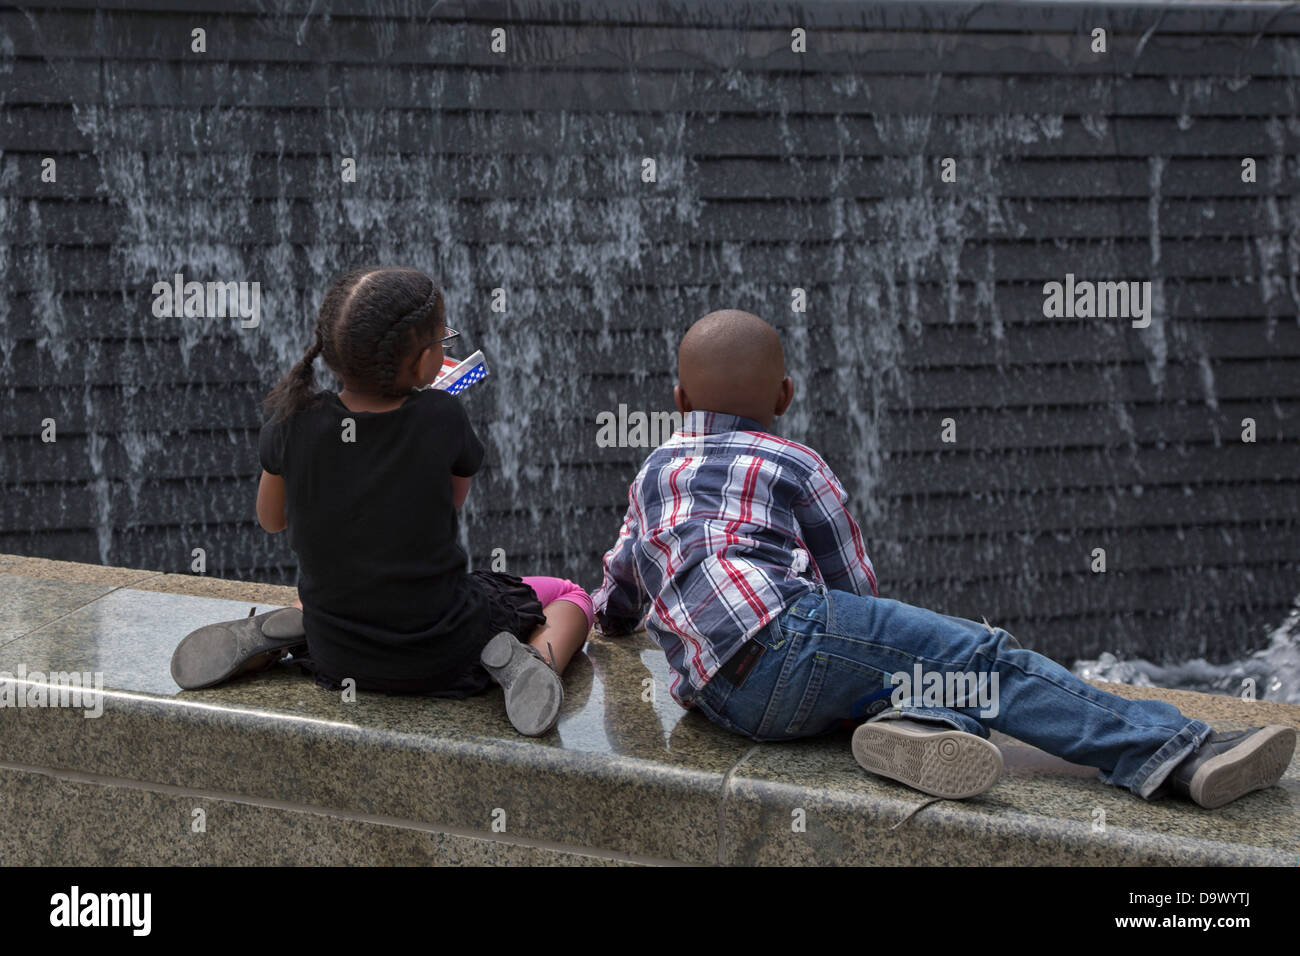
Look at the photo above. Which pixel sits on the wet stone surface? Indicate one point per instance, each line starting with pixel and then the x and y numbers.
pixel 287 771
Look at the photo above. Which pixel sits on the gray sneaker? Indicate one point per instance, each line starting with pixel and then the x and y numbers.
pixel 934 758
pixel 1231 764
pixel 533 689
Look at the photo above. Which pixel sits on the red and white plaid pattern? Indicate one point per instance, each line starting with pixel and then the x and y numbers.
pixel 727 525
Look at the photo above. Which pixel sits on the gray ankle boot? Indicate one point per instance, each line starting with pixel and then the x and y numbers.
pixel 532 687
pixel 218 652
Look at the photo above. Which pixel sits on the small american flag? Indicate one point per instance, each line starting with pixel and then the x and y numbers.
pixel 458 375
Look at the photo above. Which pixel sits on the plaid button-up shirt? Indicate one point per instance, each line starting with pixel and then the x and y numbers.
pixel 726 526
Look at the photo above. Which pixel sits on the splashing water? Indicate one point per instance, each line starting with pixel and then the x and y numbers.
pixel 1275 670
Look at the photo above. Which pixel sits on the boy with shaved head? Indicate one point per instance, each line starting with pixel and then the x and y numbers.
pixel 739 557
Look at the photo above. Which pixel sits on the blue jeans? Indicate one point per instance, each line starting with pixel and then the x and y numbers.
pixel 832 654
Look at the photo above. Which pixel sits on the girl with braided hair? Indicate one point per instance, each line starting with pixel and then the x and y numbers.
pixel 368 482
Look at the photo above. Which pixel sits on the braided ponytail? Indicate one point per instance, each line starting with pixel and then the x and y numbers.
pixel 297 389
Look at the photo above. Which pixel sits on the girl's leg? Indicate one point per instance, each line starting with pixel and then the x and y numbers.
pixel 569 617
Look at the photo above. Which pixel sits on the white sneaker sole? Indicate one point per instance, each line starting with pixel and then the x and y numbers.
pixel 943 763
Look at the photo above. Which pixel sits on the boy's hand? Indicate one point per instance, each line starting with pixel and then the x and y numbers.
pixel 619 601
pixel 616 627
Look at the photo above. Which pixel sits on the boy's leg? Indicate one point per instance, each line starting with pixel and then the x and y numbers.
pixel 829 655
pixel 975 677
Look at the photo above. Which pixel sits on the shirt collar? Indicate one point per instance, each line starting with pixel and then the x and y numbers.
pixel 701 422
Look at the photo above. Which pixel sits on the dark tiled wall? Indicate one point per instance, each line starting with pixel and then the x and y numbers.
pixel 775 170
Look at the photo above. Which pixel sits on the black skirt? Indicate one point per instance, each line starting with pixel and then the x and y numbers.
pixel 512 606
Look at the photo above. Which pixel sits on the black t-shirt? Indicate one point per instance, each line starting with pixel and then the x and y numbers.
pixel 382 576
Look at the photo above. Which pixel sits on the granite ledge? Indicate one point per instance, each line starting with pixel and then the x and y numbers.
pixel 640 780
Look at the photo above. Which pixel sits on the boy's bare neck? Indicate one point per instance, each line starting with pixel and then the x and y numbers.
pixel 765 421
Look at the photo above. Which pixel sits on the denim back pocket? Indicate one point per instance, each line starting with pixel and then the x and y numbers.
pixel 812 691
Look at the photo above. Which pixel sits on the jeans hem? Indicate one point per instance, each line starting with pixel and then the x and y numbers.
pixel 1162 763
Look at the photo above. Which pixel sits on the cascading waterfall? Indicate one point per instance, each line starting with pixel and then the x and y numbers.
pixel 549 207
